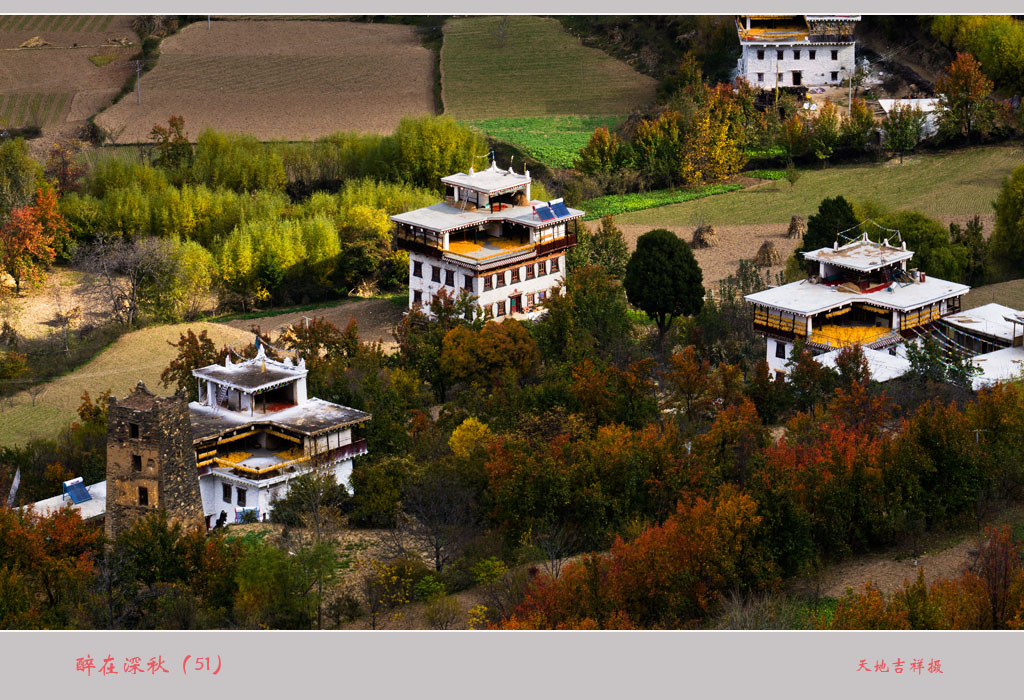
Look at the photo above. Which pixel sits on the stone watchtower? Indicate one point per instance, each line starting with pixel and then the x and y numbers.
pixel 151 463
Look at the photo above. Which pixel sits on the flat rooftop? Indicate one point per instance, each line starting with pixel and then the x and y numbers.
pixel 862 255
pixel 990 319
pixel 444 218
pixel 93 508
pixel 313 416
pixel 807 299
pixel 252 375
pixel 881 365
pixel 490 181
pixel 999 366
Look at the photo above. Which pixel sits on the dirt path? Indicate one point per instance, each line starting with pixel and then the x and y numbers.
pixel 375 317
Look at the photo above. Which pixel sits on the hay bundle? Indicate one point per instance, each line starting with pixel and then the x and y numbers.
pixel 797 227
pixel 767 255
pixel 705 237
pixel 34 43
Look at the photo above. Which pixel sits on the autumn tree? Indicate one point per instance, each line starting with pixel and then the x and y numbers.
pixel 826 132
pixel 482 356
pixel 29 236
pixel 857 129
pixel 964 104
pixel 604 154
pixel 713 144
pixel 194 351
pixel 663 279
pixel 63 167
pixel 903 127
pixel 172 149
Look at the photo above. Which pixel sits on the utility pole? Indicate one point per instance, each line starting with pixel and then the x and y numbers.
pixel 138 82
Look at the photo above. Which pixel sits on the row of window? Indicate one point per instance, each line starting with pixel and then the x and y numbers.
pixel 514 305
pixel 226 494
pixel 517 274
pixel 811 54
pixel 436 275
pixel 798 77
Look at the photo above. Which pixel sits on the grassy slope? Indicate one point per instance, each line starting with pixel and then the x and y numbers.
pixel 1006 293
pixel 554 141
pixel 138 356
pixel 538 70
pixel 944 185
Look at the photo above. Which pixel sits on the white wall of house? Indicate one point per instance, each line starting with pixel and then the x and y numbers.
pixel 760 72
pixel 488 299
pixel 775 363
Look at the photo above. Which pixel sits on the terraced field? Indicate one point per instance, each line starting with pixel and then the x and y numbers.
pixel 500 67
pixel 289 80
pixel 75 66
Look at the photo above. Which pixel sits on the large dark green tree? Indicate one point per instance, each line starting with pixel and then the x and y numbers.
pixel 663 279
pixel 834 214
pixel 1008 238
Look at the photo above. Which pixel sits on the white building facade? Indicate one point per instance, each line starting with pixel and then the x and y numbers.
pixel 254 431
pixel 861 294
pixel 795 50
pixel 490 241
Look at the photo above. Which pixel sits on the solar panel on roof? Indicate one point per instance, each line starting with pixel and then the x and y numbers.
pixel 560 209
pixel 78 493
pixel 545 213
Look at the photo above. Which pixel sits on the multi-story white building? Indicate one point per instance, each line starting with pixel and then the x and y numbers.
pixel 254 430
pixel 792 50
pixel 860 293
pixel 488 240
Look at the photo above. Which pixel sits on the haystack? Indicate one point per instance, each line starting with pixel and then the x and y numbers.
pixel 797 227
pixel 33 43
pixel 767 255
pixel 705 237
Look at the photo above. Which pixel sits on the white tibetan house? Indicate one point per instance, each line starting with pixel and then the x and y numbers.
pixel 795 50
pixel 254 431
pixel 861 294
pixel 489 240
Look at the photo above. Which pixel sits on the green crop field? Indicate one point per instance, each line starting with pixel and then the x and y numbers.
pixel 141 355
pixel 32 109
pixel 613 204
pixel 529 66
pixel 947 185
pixel 554 141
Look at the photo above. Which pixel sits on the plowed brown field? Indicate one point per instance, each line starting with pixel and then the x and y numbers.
pixel 281 80
pixel 56 87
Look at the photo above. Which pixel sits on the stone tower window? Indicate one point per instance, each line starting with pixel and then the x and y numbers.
pixel 143 496
pixel 133 430
pixel 136 463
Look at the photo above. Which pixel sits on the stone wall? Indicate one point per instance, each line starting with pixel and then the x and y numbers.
pixel 151 462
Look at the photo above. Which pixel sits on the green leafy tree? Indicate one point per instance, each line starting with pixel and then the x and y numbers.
pixel 857 130
pixel 20 176
pixel 663 279
pixel 971 239
pixel 429 148
pixel 903 127
pixel 1008 237
pixel 587 318
pixel 833 216
pixel 604 247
